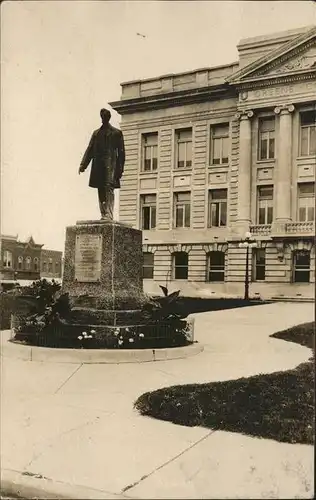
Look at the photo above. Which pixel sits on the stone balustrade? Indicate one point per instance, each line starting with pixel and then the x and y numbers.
pixel 300 227
pixel 260 229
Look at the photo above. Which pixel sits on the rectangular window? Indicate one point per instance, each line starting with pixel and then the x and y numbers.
pixel 150 152
pixel 217 216
pixel 184 148
pixel 306 202
pixel 259 264
pixel 266 139
pixel 50 266
pixel 148 211
pixel 7 258
pixel 148 265
pixel 216 266
pixel 45 266
pixel 265 205
pixel 308 133
pixel 301 266
pixel 219 146
pixel 180 265
pixel 182 209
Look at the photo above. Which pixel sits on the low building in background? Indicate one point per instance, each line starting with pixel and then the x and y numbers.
pixel 215 153
pixel 51 264
pixel 26 261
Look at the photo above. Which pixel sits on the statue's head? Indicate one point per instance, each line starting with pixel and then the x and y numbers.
pixel 105 116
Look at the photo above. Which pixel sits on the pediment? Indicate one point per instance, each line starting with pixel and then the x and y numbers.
pixel 301 62
pixel 295 57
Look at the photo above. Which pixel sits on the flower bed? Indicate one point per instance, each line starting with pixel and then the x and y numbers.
pixel 144 336
pixel 43 316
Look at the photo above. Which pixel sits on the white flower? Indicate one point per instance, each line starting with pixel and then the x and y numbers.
pixel 141 335
pixel 92 331
pixel 84 333
pixel 127 329
pixel 116 331
pixel 120 342
pixel 121 338
pixel 131 340
pixel 80 337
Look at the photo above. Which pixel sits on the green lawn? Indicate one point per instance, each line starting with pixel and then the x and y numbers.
pixel 278 406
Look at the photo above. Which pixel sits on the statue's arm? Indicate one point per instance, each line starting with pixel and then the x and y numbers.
pixel 87 157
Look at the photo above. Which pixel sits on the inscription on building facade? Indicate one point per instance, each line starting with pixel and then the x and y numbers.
pixel 88 257
pixel 279 91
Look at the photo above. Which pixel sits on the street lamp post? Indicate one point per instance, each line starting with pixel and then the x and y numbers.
pixel 247 243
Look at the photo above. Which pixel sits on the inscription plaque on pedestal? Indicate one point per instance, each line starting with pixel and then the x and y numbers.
pixel 88 257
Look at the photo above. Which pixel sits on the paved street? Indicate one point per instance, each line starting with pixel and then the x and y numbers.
pixel 75 424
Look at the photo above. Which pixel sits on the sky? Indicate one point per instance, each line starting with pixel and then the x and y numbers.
pixel 62 61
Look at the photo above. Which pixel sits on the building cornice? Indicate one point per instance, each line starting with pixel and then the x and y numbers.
pixel 172 99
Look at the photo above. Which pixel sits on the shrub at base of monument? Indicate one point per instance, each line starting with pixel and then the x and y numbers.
pixel 43 316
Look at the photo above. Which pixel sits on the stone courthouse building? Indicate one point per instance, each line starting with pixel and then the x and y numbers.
pixel 214 153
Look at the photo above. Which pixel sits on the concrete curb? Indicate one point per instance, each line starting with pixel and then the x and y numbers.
pixel 94 356
pixel 34 486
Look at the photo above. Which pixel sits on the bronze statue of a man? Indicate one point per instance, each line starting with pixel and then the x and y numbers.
pixel 107 152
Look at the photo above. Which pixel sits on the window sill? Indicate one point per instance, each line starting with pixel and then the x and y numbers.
pixel 219 165
pixel 182 228
pixel 309 157
pixel 264 162
pixel 149 172
pixel 217 227
pixel 215 282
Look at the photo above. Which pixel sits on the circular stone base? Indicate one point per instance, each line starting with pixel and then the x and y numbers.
pixel 91 356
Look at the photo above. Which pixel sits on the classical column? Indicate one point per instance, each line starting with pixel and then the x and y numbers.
pixel 283 168
pixel 244 170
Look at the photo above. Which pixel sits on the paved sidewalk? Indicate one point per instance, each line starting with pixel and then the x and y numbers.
pixel 75 425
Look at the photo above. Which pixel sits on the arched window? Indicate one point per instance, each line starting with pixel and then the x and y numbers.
pixel 35 263
pixel 7 258
pixel 180 265
pixel 148 265
pixel 28 263
pixel 216 266
pixel 301 266
pixel 20 262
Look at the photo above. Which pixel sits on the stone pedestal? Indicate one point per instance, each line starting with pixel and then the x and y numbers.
pixel 103 268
